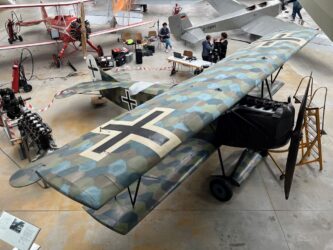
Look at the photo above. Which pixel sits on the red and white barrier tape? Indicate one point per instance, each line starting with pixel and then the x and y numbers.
pixel 29 106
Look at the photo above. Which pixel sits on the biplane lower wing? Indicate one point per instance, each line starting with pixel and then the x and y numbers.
pixel 28 45
pixel 121 215
pixel 109 159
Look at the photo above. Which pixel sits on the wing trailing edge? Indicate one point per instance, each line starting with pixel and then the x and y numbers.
pixel 121 216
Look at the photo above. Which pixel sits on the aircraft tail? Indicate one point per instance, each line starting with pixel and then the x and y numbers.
pixel 99 75
pixel 179 25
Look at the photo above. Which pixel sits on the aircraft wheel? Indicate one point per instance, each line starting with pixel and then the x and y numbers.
pixel 220 188
pixel 10 41
pixel 56 60
pixel 20 38
pixel 27 88
pixel 100 50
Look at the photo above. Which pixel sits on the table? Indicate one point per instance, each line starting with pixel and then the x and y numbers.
pixel 198 65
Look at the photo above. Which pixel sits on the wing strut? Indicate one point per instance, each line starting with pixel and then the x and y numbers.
pixel 133 200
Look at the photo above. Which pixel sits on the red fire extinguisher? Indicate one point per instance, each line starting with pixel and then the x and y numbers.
pixel 16 78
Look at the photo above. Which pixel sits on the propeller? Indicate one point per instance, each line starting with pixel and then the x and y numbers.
pixel 296 137
pixel 83 31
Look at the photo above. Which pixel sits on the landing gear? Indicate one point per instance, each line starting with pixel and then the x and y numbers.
pixel 100 51
pixel 219 185
pixel 220 188
pixel 56 60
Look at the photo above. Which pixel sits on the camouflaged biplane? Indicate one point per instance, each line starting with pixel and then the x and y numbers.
pixel 123 169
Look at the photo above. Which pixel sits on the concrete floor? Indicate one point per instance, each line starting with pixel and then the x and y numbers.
pixel 257 217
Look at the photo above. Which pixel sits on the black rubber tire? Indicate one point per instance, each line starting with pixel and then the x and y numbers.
pixel 100 51
pixel 27 88
pixel 220 188
pixel 20 38
pixel 56 60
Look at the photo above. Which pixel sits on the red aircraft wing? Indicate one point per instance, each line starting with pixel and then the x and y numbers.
pixel 106 31
pixel 35 5
pixel 27 45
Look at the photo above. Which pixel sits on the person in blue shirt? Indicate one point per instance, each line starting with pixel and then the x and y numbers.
pixel 165 36
pixel 207 49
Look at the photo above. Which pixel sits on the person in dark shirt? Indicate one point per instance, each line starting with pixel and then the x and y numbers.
pixel 207 49
pixel 165 36
pixel 223 45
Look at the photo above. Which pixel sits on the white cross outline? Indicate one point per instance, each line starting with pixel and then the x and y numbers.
pixel 160 150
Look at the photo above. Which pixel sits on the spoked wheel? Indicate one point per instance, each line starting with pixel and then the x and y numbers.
pixel 56 60
pixel 100 51
pixel 220 188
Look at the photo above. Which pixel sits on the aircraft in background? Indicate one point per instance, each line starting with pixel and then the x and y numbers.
pixel 322 12
pixel 124 168
pixel 258 19
pixel 66 29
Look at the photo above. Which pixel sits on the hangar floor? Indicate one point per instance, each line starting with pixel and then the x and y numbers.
pixel 257 217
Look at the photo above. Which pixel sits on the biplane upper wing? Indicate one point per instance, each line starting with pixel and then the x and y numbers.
pixel 36 5
pixel 97 33
pixel 98 166
pixel 119 28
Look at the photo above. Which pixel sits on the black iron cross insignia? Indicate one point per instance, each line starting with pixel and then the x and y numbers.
pixel 142 130
pixel 131 103
pixel 92 68
pixel 280 37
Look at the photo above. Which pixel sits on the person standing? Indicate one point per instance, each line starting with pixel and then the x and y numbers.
pixel 297 7
pixel 177 9
pixel 223 45
pixel 207 49
pixel 165 36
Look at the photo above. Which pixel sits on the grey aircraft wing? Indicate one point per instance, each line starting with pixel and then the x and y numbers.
pixel 265 25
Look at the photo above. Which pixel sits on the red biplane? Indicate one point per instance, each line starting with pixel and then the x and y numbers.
pixel 62 28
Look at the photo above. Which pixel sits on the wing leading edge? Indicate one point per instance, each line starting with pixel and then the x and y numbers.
pixel 107 160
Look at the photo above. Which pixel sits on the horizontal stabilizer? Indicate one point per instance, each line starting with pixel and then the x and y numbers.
pixel 87 87
pixel 194 36
pixel 119 214
pixel 265 25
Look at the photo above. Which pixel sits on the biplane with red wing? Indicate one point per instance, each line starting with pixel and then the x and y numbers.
pixel 67 29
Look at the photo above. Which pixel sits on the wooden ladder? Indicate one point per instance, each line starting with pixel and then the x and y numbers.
pixel 313 126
